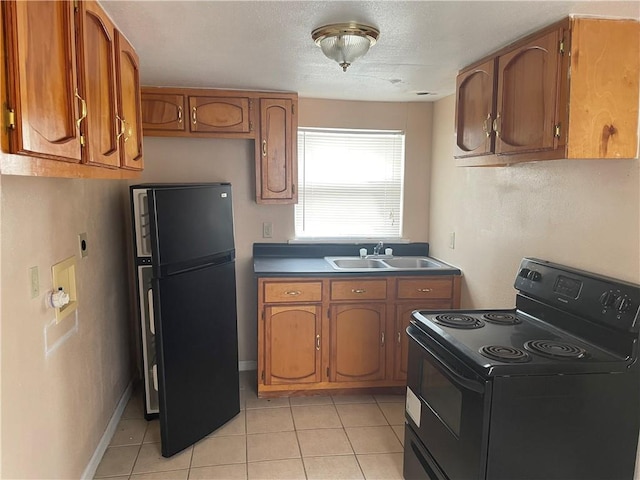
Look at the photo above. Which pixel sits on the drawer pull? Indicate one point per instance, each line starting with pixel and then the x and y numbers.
pixel 317 342
pixel 424 290
pixel 292 293
pixel 358 290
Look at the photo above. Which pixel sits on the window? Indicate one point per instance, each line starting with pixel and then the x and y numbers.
pixel 349 183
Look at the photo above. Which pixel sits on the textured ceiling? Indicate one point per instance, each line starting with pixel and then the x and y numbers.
pixel 266 45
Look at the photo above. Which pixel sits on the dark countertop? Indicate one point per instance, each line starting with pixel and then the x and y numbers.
pixel 300 260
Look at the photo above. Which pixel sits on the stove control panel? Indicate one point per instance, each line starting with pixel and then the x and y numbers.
pixel 600 299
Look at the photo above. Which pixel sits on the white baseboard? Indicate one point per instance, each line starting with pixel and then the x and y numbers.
pixel 90 471
pixel 247 365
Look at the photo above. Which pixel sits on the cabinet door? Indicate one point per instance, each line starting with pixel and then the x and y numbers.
pixel 357 342
pixel 292 344
pixel 42 79
pixel 528 80
pixel 163 112
pixel 98 78
pixel 128 76
pixel 475 111
pixel 401 342
pixel 219 114
pixel 276 152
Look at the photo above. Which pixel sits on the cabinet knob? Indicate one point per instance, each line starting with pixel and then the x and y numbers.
pixel 293 293
pixel 179 114
pixel 358 290
pixel 486 125
pixel 424 290
pixel 194 116
pixel 496 125
pixel 317 342
pixel 264 148
pixel 382 340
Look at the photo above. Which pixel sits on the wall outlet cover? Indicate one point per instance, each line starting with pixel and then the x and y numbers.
pixel 34 280
pixel 64 277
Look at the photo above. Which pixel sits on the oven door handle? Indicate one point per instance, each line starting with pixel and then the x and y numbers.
pixel 453 375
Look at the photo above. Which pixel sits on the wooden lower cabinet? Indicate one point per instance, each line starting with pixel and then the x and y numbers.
pixel 357 342
pixel 292 338
pixel 327 334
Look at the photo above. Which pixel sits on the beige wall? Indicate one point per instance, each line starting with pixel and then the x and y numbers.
pixel 580 213
pixel 56 405
pixel 210 160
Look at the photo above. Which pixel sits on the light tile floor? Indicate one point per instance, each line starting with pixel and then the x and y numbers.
pixel 320 437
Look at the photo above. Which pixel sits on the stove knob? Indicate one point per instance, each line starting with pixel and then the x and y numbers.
pixel 622 304
pixel 524 273
pixel 534 276
pixel 607 299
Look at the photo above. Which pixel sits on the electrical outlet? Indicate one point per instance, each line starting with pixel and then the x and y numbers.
pixel 34 279
pixel 267 229
pixel 452 240
pixel 83 245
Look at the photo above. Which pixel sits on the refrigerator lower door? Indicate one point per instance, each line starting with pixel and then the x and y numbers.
pixel 197 353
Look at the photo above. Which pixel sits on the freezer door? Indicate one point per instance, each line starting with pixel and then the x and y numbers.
pixel 197 352
pixel 189 225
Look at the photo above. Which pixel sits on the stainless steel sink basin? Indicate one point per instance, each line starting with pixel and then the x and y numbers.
pixel 351 263
pixel 411 262
pixel 383 262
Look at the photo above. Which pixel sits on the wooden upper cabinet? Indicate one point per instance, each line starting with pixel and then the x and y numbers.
pixel 528 79
pixel 569 91
pixel 475 112
pixel 220 114
pixel 163 112
pixel 276 152
pixel 129 105
pixel 98 81
pixel 43 79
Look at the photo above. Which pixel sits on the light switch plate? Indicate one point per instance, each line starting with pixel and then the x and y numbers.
pixel 34 280
pixel 267 229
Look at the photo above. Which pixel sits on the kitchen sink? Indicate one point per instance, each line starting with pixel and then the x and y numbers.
pixel 383 262
pixel 412 262
pixel 344 263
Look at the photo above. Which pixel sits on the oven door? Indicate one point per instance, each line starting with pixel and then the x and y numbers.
pixel 447 407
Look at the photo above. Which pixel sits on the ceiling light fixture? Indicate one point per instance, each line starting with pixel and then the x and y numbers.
pixel 345 42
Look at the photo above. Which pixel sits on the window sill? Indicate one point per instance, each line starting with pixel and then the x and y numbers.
pixel 356 240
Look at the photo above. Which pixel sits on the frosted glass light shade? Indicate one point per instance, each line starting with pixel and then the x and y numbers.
pixel 345 42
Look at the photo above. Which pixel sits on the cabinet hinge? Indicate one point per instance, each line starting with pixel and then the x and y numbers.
pixel 327 371
pixel 556 130
pixel 561 47
pixel 293 109
pixel 76 5
pixel 10 118
pixel 82 140
pixel 262 314
pixel 293 188
pixel 262 375
pixel 251 126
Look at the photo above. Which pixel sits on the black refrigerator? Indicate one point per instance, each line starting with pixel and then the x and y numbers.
pixel 185 272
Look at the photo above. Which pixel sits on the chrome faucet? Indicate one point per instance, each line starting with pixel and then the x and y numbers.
pixel 377 248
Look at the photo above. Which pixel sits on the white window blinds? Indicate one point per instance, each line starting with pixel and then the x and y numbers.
pixel 349 183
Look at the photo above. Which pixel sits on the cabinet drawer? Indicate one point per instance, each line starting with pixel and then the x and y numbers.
pixel 292 292
pixel 359 290
pixel 425 288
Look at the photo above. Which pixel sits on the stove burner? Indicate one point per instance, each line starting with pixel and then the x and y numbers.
pixel 551 349
pixel 504 354
pixel 501 318
pixel 459 321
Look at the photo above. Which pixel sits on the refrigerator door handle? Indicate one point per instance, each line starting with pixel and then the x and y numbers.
pixel 152 322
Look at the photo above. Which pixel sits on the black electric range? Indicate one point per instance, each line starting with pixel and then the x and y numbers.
pixel 547 390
